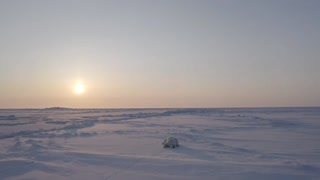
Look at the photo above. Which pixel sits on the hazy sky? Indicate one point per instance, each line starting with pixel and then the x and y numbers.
pixel 165 53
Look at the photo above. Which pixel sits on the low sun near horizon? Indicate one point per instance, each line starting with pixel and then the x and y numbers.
pixel 79 88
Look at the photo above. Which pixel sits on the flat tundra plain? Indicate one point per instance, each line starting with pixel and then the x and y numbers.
pixel 102 144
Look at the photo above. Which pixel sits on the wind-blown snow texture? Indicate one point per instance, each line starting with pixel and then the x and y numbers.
pixel 262 143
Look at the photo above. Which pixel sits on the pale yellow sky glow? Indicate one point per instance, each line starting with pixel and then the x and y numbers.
pixel 145 54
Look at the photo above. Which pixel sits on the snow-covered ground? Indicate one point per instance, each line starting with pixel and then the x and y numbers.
pixel 246 144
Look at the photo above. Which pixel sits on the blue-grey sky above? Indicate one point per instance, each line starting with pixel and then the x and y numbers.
pixel 165 53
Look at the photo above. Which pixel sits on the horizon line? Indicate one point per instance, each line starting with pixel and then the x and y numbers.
pixel 88 108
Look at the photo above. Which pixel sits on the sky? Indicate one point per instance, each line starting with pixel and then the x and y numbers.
pixel 159 53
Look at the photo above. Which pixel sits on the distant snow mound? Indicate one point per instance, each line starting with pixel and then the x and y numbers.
pixel 57 108
pixel 170 142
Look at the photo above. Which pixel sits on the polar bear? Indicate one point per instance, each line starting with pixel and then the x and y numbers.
pixel 170 142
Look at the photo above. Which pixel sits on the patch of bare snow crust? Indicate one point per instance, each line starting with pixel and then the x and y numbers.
pixel 111 144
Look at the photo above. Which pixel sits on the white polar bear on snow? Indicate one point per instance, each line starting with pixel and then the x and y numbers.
pixel 170 142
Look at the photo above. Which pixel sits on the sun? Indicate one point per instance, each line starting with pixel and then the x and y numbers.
pixel 79 88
